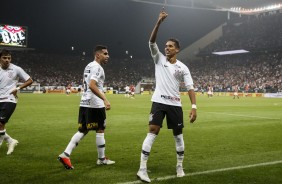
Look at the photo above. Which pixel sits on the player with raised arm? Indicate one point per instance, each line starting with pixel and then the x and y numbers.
pixel 166 102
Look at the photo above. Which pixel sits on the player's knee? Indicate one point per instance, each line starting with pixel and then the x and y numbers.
pixel 2 126
pixel 84 131
pixel 154 129
pixel 100 131
pixel 177 131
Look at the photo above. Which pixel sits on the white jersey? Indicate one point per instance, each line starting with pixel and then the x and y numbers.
pixel 127 88
pixel 8 82
pixel 93 71
pixel 168 78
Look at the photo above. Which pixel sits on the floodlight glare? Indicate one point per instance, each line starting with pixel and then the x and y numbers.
pixel 229 52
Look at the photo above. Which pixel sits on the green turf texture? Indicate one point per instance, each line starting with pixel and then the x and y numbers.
pixel 227 133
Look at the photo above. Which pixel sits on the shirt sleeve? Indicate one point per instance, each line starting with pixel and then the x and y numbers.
pixel 22 74
pixel 187 77
pixel 96 72
pixel 155 52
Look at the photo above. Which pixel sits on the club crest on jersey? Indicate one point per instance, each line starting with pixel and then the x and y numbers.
pixel 10 74
pixel 178 75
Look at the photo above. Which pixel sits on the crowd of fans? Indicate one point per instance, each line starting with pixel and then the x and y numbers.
pixel 253 33
pixel 260 69
pixel 260 72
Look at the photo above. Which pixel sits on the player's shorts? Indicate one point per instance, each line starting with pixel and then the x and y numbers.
pixel 174 115
pixel 6 111
pixel 91 119
pixel 235 94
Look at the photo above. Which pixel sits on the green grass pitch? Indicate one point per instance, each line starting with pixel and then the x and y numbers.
pixel 228 133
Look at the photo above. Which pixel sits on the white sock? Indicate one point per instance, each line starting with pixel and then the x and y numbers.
pixel 100 143
pixel 7 138
pixel 146 148
pixel 76 138
pixel 179 143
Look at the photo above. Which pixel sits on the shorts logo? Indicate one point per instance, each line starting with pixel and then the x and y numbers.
pixel 104 123
pixel 91 126
pixel 151 117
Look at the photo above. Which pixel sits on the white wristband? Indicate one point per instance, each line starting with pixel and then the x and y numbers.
pixel 194 106
pixel 18 88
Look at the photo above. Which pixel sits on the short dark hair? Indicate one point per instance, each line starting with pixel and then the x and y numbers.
pixel 5 52
pixel 176 42
pixel 99 48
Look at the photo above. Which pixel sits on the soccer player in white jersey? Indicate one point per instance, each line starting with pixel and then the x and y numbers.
pixel 92 110
pixel 10 75
pixel 166 102
pixel 127 91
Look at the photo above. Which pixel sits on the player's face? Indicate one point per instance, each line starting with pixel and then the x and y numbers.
pixel 104 56
pixel 5 61
pixel 170 49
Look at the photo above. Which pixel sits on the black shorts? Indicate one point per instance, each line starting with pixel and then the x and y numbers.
pixel 91 119
pixel 6 111
pixel 174 115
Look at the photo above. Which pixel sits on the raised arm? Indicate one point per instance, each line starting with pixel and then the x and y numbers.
pixel 153 36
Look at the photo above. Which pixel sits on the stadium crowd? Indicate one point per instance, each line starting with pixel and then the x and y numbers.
pixel 260 69
pixel 254 33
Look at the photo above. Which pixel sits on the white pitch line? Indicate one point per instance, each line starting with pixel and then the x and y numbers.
pixel 260 117
pixel 210 171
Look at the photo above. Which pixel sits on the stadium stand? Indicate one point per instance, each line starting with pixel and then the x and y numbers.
pixel 260 69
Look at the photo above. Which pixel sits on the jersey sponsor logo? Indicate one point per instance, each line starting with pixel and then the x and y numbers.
pixel 165 66
pixel 170 98
pixel 85 102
